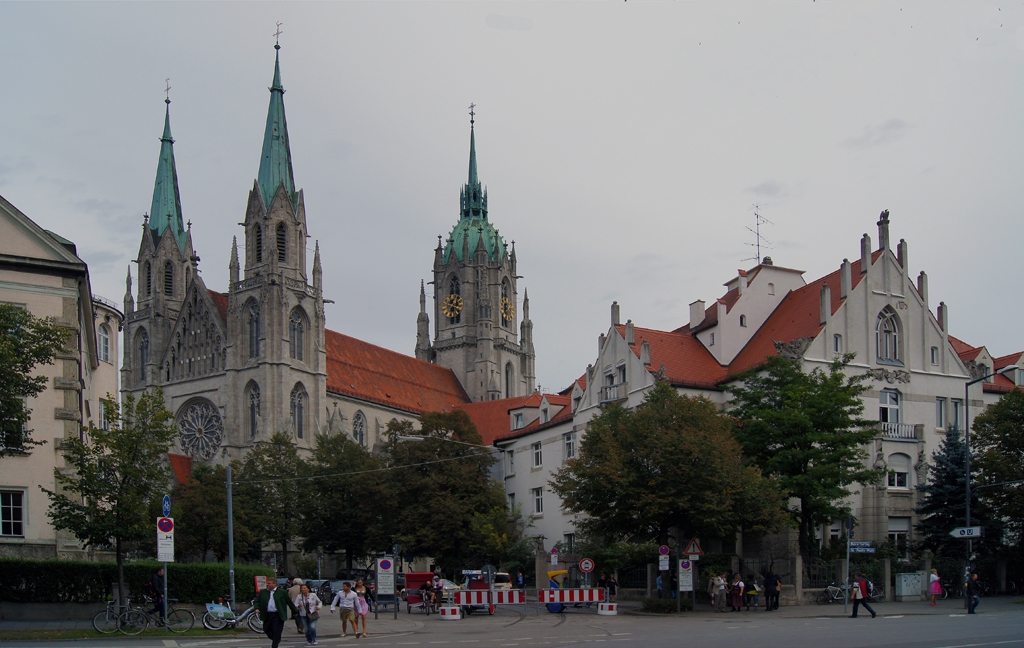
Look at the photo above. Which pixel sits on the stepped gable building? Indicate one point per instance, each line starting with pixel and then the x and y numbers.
pixel 871 307
pixel 475 297
pixel 240 365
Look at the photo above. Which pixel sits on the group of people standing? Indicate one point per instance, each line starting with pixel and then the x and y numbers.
pixel 274 603
pixel 726 588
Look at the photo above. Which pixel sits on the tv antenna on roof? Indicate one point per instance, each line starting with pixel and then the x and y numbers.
pixel 758 239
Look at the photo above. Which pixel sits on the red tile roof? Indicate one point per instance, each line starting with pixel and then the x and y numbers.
pixel 181 466
pixel 797 315
pixel 687 362
pixel 491 418
pixel 581 381
pixel 220 300
pixel 1007 360
pixel 363 370
pixel 563 415
pixel 964 350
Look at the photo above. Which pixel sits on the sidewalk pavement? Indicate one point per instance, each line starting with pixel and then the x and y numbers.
pixel 911 608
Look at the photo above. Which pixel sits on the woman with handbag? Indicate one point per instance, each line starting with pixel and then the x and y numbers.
pixel 363 605
pixel 309 611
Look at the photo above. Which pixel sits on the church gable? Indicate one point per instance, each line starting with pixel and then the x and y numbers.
pixel 196 343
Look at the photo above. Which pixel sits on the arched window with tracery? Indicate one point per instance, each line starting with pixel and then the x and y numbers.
pixel 359 428
pixel 887 337
pixel 296 335
pixel 142 352
pixel 282 243
pixel 254 329
pixel 298 405
pixel 258 243
pixel 168 278
pixel 252 400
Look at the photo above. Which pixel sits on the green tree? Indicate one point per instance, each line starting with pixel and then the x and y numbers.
pixel 806 430
pixel 439 485
pixel 112 479
pixel 272 492
pixel 671 463
pixel 502 537
pixel 26 342
pixel 349 502
pixel 997 441
pixel 200 515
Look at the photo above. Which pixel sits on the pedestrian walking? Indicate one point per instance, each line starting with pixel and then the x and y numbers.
pixel 345 600
pixel 293 591
pixel 859 594
pixel 934 587
pixel 520 581
pixel 973 594
pixel 772 586
pixel 658 584
pixel 309 605
pixel 721 585
pixel 273 604
pixel 751 593
pixel 154 589
pixel 612 584
pixel 736 594
pixel 363 605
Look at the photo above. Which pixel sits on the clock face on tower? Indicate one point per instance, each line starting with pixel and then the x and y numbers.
pixel 508 309
pixel 452 305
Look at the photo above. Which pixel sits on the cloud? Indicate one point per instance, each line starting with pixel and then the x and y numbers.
pixel 888 131
pixel 768 188
pixel 509 23
pixel 10 167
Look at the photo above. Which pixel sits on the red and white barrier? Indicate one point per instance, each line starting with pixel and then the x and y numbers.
pixel 472 597
pixel 608 609
pixel 450 612
pixel 510 597
pixel 571 595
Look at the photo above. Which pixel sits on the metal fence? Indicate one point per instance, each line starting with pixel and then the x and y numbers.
pixel 759 568
pixel 633 576
pixel 820 574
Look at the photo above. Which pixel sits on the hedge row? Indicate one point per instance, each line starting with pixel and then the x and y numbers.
pixel 60 581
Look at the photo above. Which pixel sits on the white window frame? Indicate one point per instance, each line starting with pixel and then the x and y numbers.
pixel 935 355
pixel 511 501
pixel 103 343
pixel 956 414
pixel 569 444
pixel 510 461
pixel 538 500
pixel 9 523
pixel 888 410
pixel 837 343
pixel 517 421
pixel 538 454
pixel 898 478
pixel 940 412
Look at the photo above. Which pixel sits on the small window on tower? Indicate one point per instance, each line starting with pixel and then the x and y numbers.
pixel 148 279
pixel 168 278
pixel 282 241
pixel 258 232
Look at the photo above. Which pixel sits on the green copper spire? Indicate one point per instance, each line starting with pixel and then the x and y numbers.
pixel 165 213
pixel 473 225
pixel 276 163
pixel 473 180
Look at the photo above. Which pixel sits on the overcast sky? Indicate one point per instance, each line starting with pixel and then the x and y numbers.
pixel 623 144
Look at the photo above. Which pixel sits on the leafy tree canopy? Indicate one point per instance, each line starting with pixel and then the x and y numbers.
pixel 200 515
pixel 114 475
pixel 806 430
pixel 998 444
pixel 672 463
pixel 26 342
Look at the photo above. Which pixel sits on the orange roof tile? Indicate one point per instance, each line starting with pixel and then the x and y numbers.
pixel 220 300
pixel 687 362
pixel 491 417
pixel 961 348
pixel 563 415
pixel 181 466
pixel 1007 360
pixel 363 370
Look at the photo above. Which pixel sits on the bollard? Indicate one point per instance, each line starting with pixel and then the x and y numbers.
pixel 450 612
pixel 608 609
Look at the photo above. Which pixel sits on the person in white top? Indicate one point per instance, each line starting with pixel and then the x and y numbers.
pixel 934 586
pixel 309 611
pixel 345 600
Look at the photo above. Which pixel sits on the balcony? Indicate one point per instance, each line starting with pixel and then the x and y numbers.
pixel 902 431
pixel 614 393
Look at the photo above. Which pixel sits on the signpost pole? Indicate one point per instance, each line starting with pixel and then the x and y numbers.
pixel 231 547
pixel 846 576
pixel 679 578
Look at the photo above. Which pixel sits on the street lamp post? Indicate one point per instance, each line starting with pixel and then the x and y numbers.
pixel 967 444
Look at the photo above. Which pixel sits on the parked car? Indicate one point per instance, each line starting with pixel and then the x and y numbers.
pixel 502 581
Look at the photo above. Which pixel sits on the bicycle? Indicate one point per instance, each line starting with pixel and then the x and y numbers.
pixel 832 594
pixel 135 620
pixel 220 616
pixel 105 621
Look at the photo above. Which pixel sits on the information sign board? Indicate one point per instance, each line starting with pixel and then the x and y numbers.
pixel 385 576
pixel 165 539
pixel 685 576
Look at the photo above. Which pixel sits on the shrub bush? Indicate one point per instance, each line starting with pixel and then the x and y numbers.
pixel 666 605
pixel 60 581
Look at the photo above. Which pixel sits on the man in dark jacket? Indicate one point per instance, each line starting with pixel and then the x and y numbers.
pixel 155 590
pixel 273 604
pixel 973 594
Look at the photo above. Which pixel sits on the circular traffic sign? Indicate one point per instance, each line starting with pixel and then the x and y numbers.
pixel 385 565
pixel 165 524
pixel 663 550
pixel 586 565
pixel 684 564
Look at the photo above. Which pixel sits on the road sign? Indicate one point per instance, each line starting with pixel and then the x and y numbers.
pixel 694 557
pixel 167 505
pixel 860 544
pixel 685 576
pixel 662 563
pixel 866 550
pixel 693 549
pixel 488 572
pixel 385 576
pixel 663 550
pixel 586 565
pixel 554 550
pixel 165 539
pixel 967 533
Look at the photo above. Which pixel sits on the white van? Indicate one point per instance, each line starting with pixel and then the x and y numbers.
pixel 502 581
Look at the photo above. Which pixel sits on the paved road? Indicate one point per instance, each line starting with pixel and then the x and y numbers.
pixel 1000 625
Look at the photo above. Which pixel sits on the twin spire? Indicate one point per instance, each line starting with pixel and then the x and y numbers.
pixel 165 212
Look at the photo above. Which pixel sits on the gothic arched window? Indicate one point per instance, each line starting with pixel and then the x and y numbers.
pixel 298 402
pixel 252 400
pixel 142 347
pixel 296 335
pixel 359 428
pixel 168 278
pixel 258 251
pixel 148 279
pixel 509 377
pixel 254 329
pixel 282 242
pixel 887 337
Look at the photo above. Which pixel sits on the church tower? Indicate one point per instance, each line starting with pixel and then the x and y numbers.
pixel 475 299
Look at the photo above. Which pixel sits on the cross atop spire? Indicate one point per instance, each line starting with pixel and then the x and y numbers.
pixel 474 181
pixel 277 36
pixel 167 90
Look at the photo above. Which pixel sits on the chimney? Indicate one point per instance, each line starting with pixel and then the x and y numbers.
pixel 696 313
pixel 826 304
pixel 741 284
pixel 630 337
pixel 615 313
pixel 883 230
pixel 600 344
pixel 901 255
pixel 865 253
pixel 645 353
pixel 845 279
pixel 922 287
pixel 943 317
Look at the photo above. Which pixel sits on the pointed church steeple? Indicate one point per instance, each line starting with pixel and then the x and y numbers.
pixel 165 213
pixel 474 197
pixel 276 161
